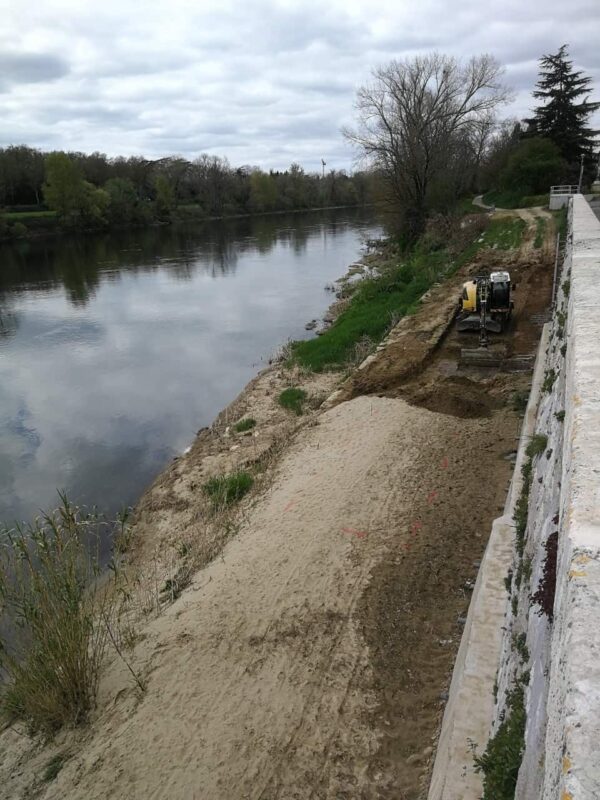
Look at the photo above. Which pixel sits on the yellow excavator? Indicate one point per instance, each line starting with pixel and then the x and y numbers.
pixel 485 304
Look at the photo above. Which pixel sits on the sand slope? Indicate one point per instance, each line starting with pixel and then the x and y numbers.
pixel 260 683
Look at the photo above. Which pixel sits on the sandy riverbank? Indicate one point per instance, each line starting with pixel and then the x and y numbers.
pixel 309 655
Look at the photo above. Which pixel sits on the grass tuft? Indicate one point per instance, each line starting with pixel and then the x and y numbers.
pixel 54 766
pixel 540 233
pixel 224 490
pixel 53 640
pixel 537 445
pixel 245 425
pixel 293 399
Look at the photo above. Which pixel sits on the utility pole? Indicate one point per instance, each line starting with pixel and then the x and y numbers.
pixel 324 164
pixel 580 175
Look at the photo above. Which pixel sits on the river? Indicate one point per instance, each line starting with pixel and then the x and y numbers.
pixel 116 348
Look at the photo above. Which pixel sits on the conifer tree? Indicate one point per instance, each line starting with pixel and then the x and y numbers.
pixel 563 117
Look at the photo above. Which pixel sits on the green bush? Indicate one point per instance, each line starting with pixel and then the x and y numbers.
pixel 224 490
pixel 293 399
pixel 534 166
pixel 18 230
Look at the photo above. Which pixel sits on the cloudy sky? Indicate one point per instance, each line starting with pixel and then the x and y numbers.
pixel 262 82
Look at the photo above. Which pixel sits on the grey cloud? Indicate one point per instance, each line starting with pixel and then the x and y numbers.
pixel 258 82
pixel 20 68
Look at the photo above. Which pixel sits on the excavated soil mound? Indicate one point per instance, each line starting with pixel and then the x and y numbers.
pixel 456 396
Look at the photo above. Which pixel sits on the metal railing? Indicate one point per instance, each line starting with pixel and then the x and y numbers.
pixel 564 189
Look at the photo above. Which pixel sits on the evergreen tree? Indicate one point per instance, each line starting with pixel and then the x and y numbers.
pixel 562 118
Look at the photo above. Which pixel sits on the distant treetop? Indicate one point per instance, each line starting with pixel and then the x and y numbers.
pixel 565 110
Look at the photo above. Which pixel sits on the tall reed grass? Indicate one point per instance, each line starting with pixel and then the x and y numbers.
pixel 54 611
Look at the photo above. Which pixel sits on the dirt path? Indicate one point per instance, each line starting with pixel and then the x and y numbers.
pixel 311 659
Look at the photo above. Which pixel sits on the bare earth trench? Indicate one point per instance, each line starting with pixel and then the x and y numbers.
pixel 310 658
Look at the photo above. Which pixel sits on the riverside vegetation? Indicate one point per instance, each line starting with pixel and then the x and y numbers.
pixel 45 192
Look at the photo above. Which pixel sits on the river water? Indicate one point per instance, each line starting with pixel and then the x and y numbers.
pixel 115 349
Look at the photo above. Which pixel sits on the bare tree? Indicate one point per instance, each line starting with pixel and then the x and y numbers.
pixel 415 120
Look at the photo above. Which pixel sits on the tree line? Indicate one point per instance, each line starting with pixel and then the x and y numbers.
pixel 430 127
pixel 91 190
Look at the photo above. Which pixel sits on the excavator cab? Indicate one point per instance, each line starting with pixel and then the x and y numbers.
pixel 485 303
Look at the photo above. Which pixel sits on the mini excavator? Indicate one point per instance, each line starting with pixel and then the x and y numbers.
pixel 485 304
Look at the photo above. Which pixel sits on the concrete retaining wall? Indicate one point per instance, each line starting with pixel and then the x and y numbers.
pixel 572 758
pixel 552 654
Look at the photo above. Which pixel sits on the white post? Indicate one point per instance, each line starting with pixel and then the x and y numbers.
pixel 580 175
pixel 555 270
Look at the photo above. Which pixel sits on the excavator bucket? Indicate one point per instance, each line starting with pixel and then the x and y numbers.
pixel 473 323
pixel 493 356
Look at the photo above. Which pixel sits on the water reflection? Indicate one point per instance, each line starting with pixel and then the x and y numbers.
pixel 76 262
pixel 115 349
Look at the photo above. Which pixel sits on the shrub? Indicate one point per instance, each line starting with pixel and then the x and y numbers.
pixel 519 643
pixel 224 490
pixel 245 425
pixel 18 230
pixel 534 165
pixel 544 596
pixel 519 401
pixel 504 752
pixel 54 638
pixel 549 378
pixel 537 445
pixel 293 399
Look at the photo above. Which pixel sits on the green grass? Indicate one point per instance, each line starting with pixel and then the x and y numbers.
pixel 53 767
pixel 374 304
pixel 560 218
pixel 377 301
pixel 23 216
pixel 245 425
pixel 224 490
pixel 465 206
pixel 504 234
pixel 540 232
pixel 532 200
pixel 293 399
